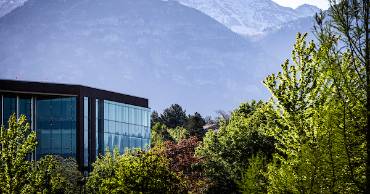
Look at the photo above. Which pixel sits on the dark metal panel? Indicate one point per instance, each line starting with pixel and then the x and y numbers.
pixel 1 109
pixel 38 87
pixel 101 126
pixel 92 131
pixel 80 133
pixel 69 89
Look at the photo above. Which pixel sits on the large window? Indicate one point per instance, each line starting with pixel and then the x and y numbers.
pixel 24 108
pixel 9 108
pixel 56 126
pixel 125 126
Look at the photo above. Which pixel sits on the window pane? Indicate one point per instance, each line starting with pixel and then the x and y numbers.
pixel 56 126
pixel 10 107
pixel 25 108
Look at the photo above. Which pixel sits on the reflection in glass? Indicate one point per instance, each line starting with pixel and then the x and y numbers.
pixel 56 126
pixel 9 108
pixel 125 126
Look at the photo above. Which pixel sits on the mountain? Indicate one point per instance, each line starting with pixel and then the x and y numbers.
pixel 157 49
pixel 280 42
pixel 7 6
pixel 306 10
pixel 251 18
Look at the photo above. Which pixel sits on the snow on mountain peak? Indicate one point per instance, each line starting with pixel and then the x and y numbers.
pixel 307 10
pixel 7 6
pixel 251 18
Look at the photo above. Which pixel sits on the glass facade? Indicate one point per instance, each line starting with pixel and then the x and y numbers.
pixel 125 126
pixel 56 126
pixel 9 107
pixel 60 125
pixel 25 108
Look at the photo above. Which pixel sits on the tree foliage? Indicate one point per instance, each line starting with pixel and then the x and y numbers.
pixel 227 152
pixel 174 116
pixel 319 126
pixel 134 172
pixel 17 142
pixel 55 174
pixel 254 179
pixel 186 164
pixel 194 125
pixel 348 21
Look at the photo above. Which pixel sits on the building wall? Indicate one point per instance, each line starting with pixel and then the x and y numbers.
pixel 79 127
pixel 125 126
pixel 53 119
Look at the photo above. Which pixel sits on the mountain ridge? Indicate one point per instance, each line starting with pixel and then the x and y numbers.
pixel 250 18
pixel 164 51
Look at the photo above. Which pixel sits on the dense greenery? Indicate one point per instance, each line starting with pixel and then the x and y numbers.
pixel 134 172
pixel 54 174
pixel 17 141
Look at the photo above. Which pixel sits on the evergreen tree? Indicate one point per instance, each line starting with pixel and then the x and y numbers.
pixel 154 118
pixel 174 116
pixel 195 125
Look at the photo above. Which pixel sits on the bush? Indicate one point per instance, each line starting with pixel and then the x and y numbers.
pixel 54 174
pixel 134 172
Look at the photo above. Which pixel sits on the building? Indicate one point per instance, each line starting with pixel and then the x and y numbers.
pixel 77 121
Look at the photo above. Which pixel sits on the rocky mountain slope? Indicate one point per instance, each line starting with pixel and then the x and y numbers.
pixel 251 18
pixel 161 50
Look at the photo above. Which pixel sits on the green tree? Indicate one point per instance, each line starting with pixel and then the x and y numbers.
pixel 254 179
pixel 54 174
pixel 319 125
pixel 177 134
pixel 226 153
pixel 134 172
pixel 194 125
pixel 174 116
pixel 348 22
pixel 159 134
pixel 154 118
pixel 17 142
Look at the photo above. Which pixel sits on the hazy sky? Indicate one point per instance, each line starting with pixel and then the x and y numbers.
pixel 323 4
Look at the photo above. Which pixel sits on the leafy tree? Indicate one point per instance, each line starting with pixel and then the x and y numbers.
pixel 134 172
pixel 195 125
pixel 184 162
pixel 16 143
pixel 160 134
pixel 178 134
pixel 318 124
pixel 54 174
pixel 226 153
pixel 174 116
pixel 348 22
pixel 253 179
